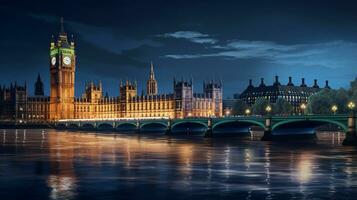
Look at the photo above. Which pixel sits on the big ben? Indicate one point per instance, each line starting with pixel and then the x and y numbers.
pixel 62 71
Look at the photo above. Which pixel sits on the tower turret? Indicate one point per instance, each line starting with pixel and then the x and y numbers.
pixel 94 91
pixel 128 91
pixel 213 90
pixel 315 84
pixel 303 83
pixel 276 83
pixel 327 85
pixel 290 83
pixel 250 86
pixel 262 84
pixel 183 94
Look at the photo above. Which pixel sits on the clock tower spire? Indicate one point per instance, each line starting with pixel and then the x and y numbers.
pixel 62 70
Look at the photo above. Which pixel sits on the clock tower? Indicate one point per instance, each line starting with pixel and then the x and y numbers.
pixel 62 71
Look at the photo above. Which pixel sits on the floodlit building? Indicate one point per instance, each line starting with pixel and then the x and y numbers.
pixel 16 104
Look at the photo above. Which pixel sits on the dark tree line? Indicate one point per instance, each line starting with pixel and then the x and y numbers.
pixel 322 102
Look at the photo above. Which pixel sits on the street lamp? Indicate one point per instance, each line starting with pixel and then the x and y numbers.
pixel 334 108
pixel 351 105
pixel 268 109
pixel 303 107
pixel 228 112
pixel 247 111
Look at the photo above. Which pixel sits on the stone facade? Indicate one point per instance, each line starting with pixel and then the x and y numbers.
pixel 16 105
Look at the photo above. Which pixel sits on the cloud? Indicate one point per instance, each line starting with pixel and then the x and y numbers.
pixel 192 36
pixel 103 37
pixel 188 56
pixel 333 54
pixel 107 38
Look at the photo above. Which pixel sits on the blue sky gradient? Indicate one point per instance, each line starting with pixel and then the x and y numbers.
pixel 232 41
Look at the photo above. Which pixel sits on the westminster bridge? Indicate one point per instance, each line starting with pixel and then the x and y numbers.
pixel 273 126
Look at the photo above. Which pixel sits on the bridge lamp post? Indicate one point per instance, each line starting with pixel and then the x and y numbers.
pixel 303 107
pixel 351 105
pixel 247 111
pixel 334 108
pixel 268 109
pixel 228 112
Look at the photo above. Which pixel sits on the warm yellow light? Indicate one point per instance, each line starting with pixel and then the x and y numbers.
pixel 268 108
pixel 247 111
pixel 303 106
pixel 228 112
pixel 351 105
pixel 334 108
pixel 305 169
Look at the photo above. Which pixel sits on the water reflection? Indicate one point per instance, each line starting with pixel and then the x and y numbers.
pixel 304 168
pixel 267 167
pixel 75 165
pixel 62 178
pixel 62 187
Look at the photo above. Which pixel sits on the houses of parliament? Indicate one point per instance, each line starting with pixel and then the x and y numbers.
pixel 16 105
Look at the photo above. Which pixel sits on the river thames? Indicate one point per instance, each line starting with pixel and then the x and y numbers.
pixel 51 164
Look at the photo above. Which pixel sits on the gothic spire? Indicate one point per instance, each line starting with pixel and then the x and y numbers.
pixel 39 77
pixel 151 84
pixel 39 91
pixel 62 37
pixel 152 74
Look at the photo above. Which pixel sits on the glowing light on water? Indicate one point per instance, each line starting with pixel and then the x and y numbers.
pixel 304 169
pixel 62 187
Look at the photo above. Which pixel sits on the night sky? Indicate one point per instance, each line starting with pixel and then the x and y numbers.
pixel 230 40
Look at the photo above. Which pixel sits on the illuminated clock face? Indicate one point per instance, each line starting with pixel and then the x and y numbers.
pixel 53 60
pixel 67 60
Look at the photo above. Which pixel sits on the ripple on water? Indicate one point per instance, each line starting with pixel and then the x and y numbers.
pixel 82 165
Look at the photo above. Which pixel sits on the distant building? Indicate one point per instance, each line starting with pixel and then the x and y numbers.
pixel 16 105
pixel 228 105
pixel 295 95
pixel 13 102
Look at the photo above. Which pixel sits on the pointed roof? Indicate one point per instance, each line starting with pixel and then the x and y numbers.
pixel 152 74
pixel 39 78
pixel 62 37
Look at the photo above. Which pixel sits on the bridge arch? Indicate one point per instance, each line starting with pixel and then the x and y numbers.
pixel 251 122
pixel 61 126
pixel 145 124
pixel 314 123
pixel 126 126
pixel 197 128
pixel 87 126
pixel 73 126
pixel 105 126
pixel 189 122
